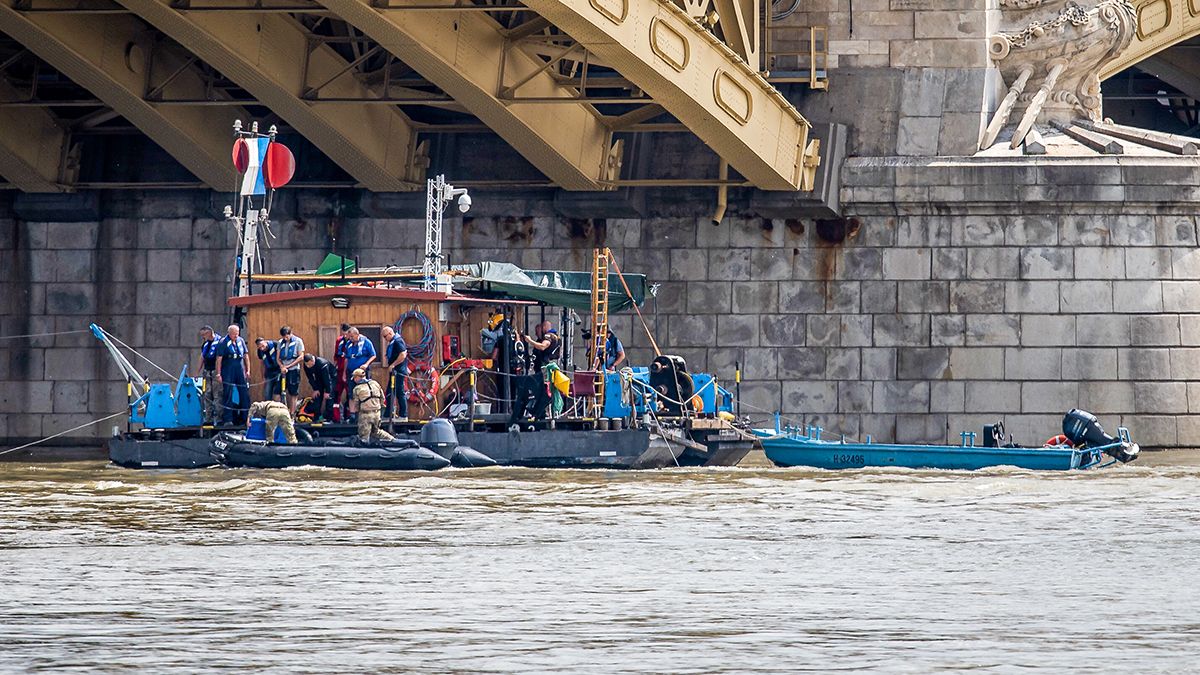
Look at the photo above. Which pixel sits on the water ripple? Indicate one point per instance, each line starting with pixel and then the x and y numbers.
pixel 506 570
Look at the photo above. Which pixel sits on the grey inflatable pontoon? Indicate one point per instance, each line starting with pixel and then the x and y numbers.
pixel 403 455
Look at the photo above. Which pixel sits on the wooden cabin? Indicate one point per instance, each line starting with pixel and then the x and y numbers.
pixel 316 315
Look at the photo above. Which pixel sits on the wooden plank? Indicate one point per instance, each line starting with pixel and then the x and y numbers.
pixel 1098 142
pixel 1180 145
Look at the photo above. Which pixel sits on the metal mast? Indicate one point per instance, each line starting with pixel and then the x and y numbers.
pixel 438 193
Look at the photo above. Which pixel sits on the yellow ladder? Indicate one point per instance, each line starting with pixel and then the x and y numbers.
pixel 596 356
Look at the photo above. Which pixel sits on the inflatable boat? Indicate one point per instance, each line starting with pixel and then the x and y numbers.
pixel 437 448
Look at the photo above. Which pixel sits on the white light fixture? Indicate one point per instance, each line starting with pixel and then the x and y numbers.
pixel 439 193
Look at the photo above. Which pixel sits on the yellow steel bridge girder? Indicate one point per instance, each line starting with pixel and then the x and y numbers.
pixel 698 79
pixel 31 146
pixel 1160 25
pixel 462 53
pixel 265 54
pixel 102 53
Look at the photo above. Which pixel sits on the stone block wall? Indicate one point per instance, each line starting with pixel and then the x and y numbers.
pixel 964 292
pixel 910 77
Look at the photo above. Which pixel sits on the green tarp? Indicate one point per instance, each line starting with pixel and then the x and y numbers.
pixel 553 287
pixel 333 265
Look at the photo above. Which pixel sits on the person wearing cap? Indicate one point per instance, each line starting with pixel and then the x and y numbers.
pixel 277 416
pixel 268 353
pixel 291 352
pixel 533 384
pixel 208 371
pixel 366 400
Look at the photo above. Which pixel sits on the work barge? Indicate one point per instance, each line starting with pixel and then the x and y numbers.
pixel 462 328
pixel 627 424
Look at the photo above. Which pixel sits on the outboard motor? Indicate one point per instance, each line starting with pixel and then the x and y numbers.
pixel 1082 428
pixel 669 377
pixel 439 436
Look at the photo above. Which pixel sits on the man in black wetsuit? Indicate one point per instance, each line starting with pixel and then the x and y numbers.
pixel 322 377
pixel 545 349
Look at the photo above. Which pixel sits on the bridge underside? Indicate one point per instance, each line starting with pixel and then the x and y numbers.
pixel 376 94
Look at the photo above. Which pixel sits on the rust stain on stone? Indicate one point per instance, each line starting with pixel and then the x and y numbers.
pixel 588 230
pixel 516 230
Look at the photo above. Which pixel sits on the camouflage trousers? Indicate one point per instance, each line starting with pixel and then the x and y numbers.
pixel 209 398
pixel 369 426
pixel 278 418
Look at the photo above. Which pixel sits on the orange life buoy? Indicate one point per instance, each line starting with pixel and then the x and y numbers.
pixel 1058 441
pixel 421 385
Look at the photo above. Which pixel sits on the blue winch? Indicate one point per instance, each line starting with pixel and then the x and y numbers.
pixel 158 407
pixel 643 395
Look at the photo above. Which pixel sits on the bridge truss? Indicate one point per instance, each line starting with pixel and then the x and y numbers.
pixel 371 84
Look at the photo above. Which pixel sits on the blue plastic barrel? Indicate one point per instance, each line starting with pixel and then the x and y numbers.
pixel 258 431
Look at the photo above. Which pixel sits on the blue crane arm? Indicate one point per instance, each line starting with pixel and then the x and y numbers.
pixel 123 363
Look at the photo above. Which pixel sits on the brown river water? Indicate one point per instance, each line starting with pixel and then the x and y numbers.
pixel 513 570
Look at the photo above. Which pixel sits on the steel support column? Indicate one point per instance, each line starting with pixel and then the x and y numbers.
pixel 31 146
pixel 103 54
pixel 462 53
pixel 265 54
pixel 698 79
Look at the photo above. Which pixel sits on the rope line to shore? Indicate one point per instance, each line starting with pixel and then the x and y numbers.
pixel 39 335
pixel 63 433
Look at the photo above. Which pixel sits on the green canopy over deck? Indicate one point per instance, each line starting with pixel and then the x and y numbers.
pixel 560 288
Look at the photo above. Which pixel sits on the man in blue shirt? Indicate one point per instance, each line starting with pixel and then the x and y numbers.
pixel 397 366
pixel 233 371
pixel 208 371
pixel 268 353
pixel 291 353
pixel 614 351
pixel 360 353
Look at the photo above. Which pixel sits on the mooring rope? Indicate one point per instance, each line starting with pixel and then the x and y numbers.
pixel 63 433
pixel 38 335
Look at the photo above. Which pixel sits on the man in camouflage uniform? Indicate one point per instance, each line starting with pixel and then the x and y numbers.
pixel 367 401
pixel 277 415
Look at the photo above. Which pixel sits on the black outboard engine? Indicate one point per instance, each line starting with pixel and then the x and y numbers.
pixel 439 436
pixel 669 377
pixel 1082 428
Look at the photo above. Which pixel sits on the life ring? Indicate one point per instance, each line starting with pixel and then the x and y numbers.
pixel 421 385
pixel 1058 441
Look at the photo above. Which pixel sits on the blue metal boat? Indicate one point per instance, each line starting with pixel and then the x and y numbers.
pixel 795 446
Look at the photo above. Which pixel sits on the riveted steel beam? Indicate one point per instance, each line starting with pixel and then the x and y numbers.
pixel 265 55
pixel 32 146
pixel 466 55
pixel 1161 24
pixel 105 55
pixel 696 78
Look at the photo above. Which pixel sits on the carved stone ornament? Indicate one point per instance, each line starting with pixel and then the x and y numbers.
pixel 1050 55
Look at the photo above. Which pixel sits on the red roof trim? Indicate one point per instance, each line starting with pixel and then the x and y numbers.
pixel 362 292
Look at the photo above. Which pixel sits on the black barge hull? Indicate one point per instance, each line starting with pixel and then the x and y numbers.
pixel 548 448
